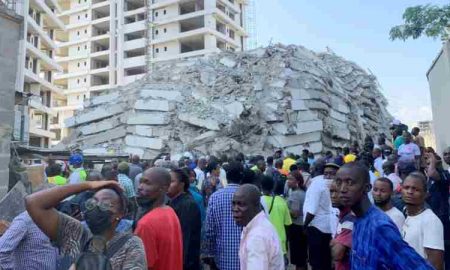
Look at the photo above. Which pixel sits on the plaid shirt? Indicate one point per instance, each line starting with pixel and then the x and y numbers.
pixel 25 246
pixel 223 236
pixel 127 185
pixel 378 245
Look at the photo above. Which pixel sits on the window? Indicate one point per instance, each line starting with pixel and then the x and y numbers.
pixel 85 47
pixel 78 17
pixel 165 12
pixel 78 64
pixel 85 63
pixel 165 30
pixel 156 32
pixel 85 15
pixel 85 31
pixel 78 81
pixel 78 33
pixel 78 48
pixel 79 1
pixel 156 14
pixel 157 50
pixel 85 79
pixel 165 49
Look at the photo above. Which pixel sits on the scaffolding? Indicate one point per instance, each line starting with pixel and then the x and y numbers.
pixel 148 36
pixel 250 25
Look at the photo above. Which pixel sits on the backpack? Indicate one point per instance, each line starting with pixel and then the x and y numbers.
pixel 90 260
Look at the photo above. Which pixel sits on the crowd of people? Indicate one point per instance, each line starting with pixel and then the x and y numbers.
pixel 382 205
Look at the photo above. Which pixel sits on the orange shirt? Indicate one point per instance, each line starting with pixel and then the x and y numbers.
pixel 160 232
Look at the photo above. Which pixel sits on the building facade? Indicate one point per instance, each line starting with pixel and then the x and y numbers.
pixel 115 42
pixel 439 81
pixel 427 132
pixel 35 81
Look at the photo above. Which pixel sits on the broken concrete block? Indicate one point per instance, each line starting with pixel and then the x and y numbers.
pixel 164 94
pixel 278 83
pixel 99 126
pixel 298 105
pixel 152 105
pixel 196 121
pixel 109 98
pixel 338 116
pixel 235 109
pixel 105 136
pixel 139 141
pixel 98 113
pixel 306 116
pixel 148 119
pixel 309 126
pixel 226 61
pixel 285 141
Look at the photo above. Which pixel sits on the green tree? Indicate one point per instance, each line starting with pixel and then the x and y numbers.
pixel 428 20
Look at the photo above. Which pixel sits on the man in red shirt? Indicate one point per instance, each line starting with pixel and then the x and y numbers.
pixel 159 228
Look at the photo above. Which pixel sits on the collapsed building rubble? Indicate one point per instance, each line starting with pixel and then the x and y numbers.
pixel 252 102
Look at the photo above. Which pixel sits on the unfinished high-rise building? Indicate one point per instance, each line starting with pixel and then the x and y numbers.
pixel 35 87
pixel 111 42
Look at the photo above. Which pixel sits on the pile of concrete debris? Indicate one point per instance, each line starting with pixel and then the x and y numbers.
pixel 252 102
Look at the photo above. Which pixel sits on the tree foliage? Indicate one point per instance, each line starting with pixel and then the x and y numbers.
pixel 428 20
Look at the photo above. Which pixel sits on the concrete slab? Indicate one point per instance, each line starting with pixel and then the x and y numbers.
pixel 309 126
pixel 285 141
pixel 148 119
pixel 298 105
pixel 140 141
pixel 196 121
pixel 152 105
pixel 229 62
pixel 99 126
pixel 164 94
pixel 105 136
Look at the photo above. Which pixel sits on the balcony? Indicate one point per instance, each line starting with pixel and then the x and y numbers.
pixel 74 10
pixel 52 20
pixel 162 3
pixel 47 62
pixel 36 29
pixel 185 55
pixel 134 27
pixel 227 20
pixel 36 130
pixel 100 87
pixel 134 44
pixel 134 61
pixel 31 77
pixel 186 34
pixel 37 105
pixel 71 75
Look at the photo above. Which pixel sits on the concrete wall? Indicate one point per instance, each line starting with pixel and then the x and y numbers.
pixel 439 81
pixel 10 33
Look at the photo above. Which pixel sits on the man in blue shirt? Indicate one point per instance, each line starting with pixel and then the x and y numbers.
pixel 377 243
pixel 222 235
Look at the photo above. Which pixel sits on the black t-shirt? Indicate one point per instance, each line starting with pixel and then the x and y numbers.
pixel 438 195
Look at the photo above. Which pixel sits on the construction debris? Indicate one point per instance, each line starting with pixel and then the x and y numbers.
pixel 252 102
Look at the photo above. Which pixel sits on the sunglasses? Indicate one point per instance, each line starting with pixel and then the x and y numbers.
pixel 92 203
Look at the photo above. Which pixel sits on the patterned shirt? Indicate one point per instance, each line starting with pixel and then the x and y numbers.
pixel 25 246
pixel 222 236
pixel 73 236
pixel 127 185
pixel 377 244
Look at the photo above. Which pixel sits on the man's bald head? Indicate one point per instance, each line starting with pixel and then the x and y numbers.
pixel 160 176
pixel 246 204
pixel 250 193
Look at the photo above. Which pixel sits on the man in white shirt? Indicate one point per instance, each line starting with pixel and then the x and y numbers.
pixel 382 193
pixel 317 212
pixel 409 151
pixel 200 172
pixel 378 161
pixel 259 248
pixel 422 230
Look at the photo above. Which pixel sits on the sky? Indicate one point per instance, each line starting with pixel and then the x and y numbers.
pixel 359 31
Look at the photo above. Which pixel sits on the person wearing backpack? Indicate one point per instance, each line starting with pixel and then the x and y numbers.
pixel 98 248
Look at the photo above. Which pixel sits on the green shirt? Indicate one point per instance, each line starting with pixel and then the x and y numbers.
pixel 279 217
pixel 398 141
